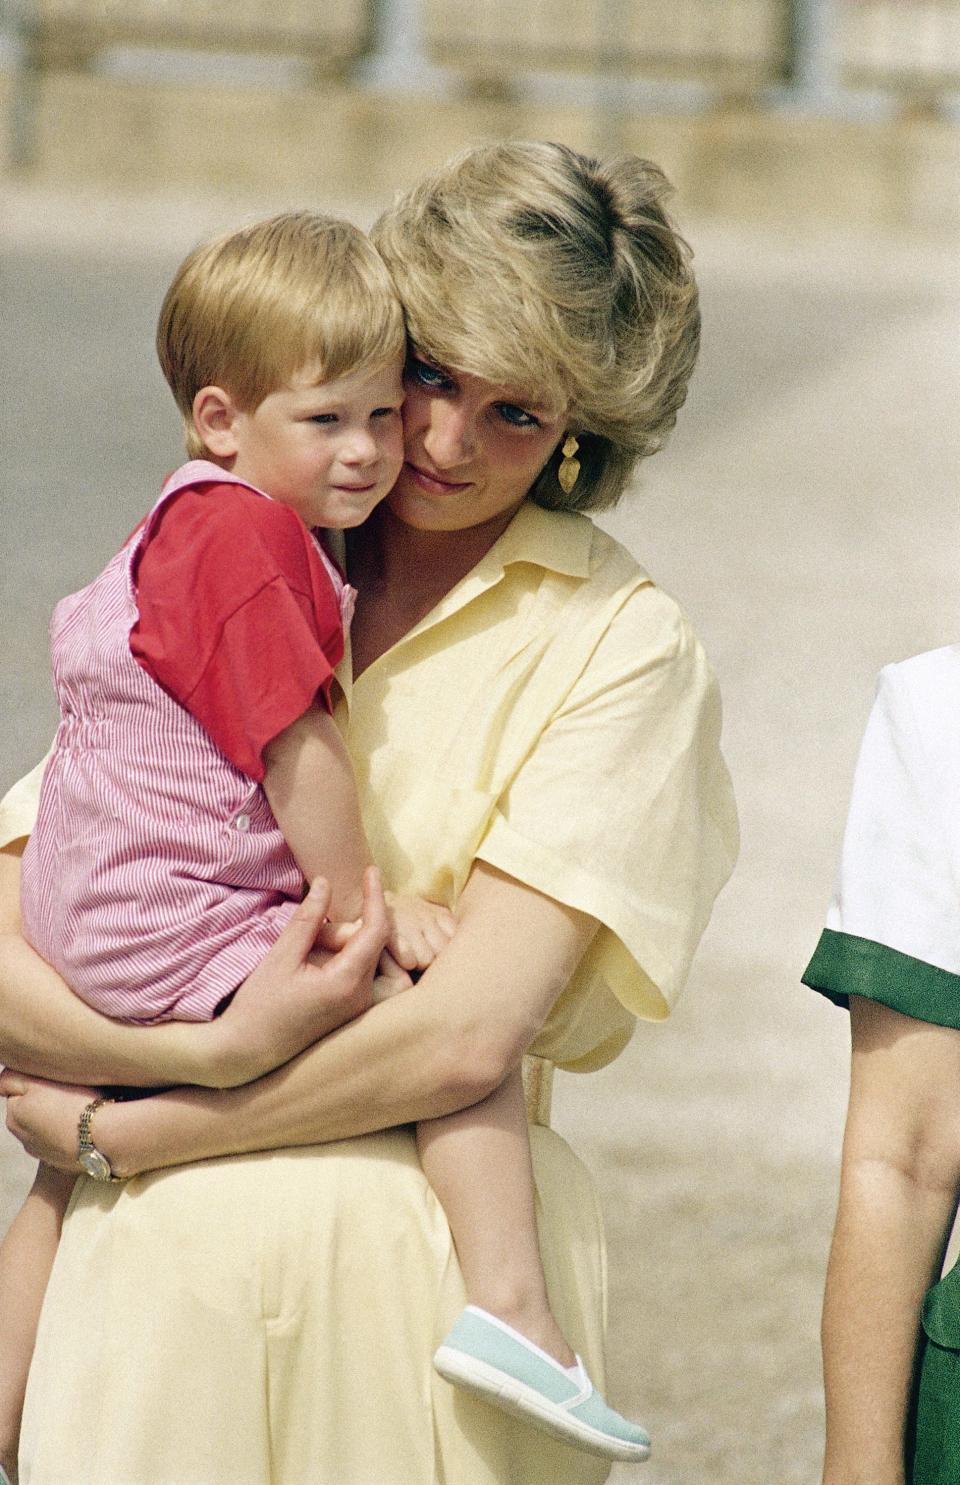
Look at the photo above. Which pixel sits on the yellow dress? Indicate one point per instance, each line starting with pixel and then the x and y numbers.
pixel 269 1319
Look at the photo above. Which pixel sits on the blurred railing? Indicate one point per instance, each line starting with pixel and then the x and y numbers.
pixel 908 45
pixel 829 56
pixel 889 45
pixel 741 42
pixel 73 33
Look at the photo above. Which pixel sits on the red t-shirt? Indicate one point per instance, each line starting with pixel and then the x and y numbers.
pixel 239 620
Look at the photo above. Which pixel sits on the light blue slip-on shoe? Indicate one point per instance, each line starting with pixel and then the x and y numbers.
pixel 4 1477
pixel 491 1359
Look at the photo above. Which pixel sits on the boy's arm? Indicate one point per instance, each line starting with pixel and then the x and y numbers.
pixel 311 789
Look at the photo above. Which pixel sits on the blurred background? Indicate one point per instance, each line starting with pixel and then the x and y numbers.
pixel 805 512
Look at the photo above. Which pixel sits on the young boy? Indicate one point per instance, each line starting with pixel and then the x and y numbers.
pixel 198 777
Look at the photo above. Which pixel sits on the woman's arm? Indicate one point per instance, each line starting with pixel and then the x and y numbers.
pixel 441 1046
pixel 45 1029
pixel 48 1031
pixel 899 1187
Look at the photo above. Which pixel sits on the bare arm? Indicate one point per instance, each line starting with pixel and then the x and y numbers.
pixel 899 1187
pixel 441 1046
pixel 45 1029
pixel 288 1002
pixel 312 792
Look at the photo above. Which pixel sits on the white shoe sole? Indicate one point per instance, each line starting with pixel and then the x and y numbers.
pixel 516 1397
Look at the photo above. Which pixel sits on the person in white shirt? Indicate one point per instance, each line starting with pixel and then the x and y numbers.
pixel 891 953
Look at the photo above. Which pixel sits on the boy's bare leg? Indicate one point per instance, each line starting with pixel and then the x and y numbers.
pixel 478 1163
pixel 26 1258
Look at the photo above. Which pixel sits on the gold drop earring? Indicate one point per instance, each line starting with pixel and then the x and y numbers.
pixel 569 469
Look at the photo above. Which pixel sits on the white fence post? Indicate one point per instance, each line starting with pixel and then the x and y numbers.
pixel 814 81
pixel 398 61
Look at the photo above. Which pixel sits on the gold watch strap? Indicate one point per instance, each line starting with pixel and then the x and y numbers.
pixel 84 1137
pixel 83 1129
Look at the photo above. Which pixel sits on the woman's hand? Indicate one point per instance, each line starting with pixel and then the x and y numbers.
pixel 293 998
pixel 45 1116
pixel 302 990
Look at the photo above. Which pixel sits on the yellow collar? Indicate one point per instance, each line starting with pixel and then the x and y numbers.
pixel 559 541
pixel 555 541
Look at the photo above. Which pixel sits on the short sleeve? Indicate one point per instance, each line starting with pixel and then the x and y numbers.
pixel 893 927
pixel 624 807
pixel 238 618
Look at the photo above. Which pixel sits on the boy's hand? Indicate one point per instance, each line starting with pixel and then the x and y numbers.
pixel 418 931
pixel 298 993
pixel 391 976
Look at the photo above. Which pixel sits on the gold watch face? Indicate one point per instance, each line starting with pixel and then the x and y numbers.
pixel 95 1165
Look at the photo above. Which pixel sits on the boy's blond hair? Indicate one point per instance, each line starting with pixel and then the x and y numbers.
pixel 563 278
pixel 251 310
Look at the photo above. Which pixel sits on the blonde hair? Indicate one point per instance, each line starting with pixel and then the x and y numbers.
pixel 250 310
pixel 559 276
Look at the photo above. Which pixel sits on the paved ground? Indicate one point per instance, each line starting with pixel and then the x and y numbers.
pixel 806 515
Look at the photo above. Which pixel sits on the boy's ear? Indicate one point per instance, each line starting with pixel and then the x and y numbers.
pixel 215 417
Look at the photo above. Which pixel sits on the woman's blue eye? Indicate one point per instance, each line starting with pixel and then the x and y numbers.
pixel 384 412
pixel 324 418
pixel 516 415
pixel 427 375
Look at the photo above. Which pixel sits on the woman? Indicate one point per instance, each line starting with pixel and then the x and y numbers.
pixel 535 735
pixel 891 952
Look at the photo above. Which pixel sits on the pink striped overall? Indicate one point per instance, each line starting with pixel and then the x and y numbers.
pixel 156 878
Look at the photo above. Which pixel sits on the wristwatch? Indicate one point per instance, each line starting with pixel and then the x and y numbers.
pixel 92 1161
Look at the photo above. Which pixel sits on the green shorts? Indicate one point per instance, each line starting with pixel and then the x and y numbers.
pixel 935 1431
